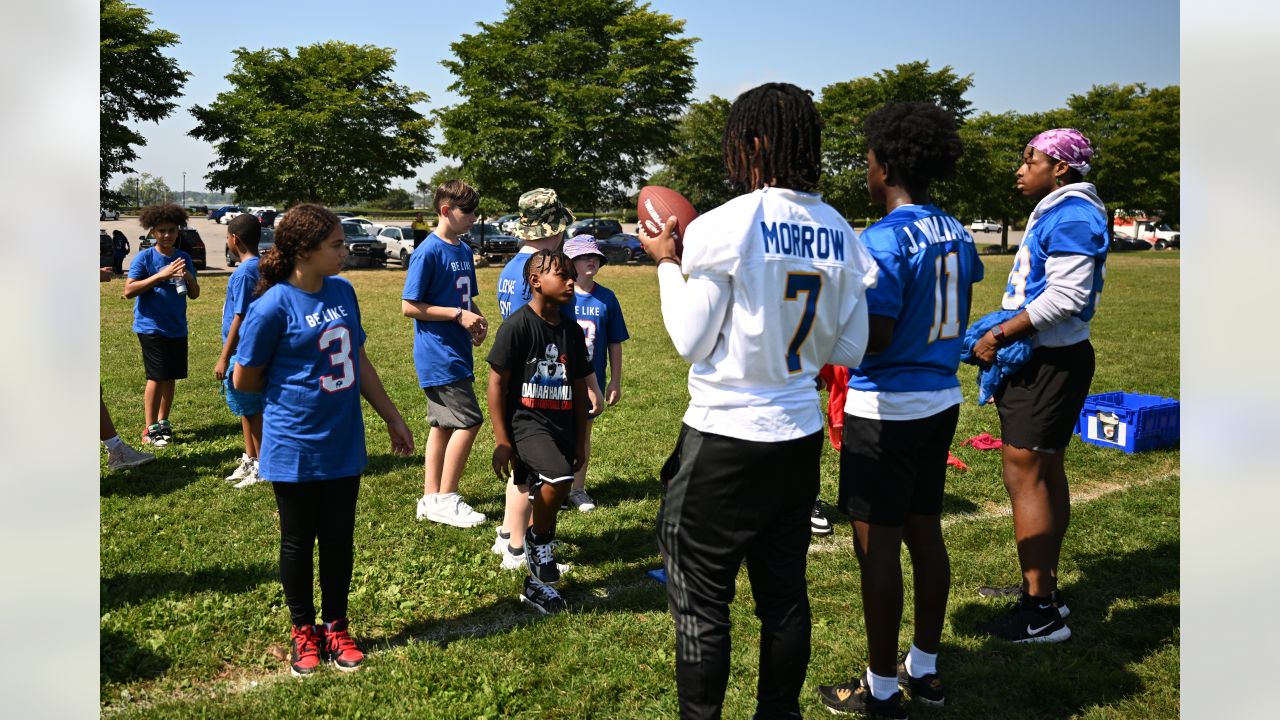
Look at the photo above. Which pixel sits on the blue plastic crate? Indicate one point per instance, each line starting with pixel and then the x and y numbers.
pixel 1132 422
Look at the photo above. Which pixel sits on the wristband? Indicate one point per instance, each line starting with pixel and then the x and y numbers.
pixel 998 333
pixel 458 317
pixel 672 258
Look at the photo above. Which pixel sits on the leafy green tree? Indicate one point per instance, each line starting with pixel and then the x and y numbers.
pixel 1135 132
pixel 424 191
pixel 490 207
pixel 137 83
pixel 577 95
pixel 844 107
pixel 694 163
pixel 144 189
pixel 322 124
pixel 395 199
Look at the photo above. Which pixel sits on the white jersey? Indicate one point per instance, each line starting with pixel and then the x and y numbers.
pixel 795 276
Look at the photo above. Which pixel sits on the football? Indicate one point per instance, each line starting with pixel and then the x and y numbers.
pixel 655 204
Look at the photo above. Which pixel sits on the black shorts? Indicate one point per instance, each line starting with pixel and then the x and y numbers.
pixel 163 358
pixel 1041 403
pixel 541 458
pixel 890 469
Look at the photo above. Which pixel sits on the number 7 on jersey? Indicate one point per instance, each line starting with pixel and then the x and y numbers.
pixel 811 285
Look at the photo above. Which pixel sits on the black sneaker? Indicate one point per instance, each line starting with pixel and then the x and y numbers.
pixel 926 689
pixel 818 523
pixel 1029 622
pixel 543 598
pixel 1000 591
pixel 541 560
pixel 855 697
pixel 1058 602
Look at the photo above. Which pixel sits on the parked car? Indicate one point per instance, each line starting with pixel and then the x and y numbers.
pixel 399 241
pixel 104 213
pixel 217 213
pixel 364 250
pixel 507 223
pixel 596 227
pixel 189 242
pixel 373 227
pixel 266 241
pixel 622 247
pixel 489 240
pixel 985 226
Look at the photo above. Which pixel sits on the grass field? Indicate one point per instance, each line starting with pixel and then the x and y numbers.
pixel 193 622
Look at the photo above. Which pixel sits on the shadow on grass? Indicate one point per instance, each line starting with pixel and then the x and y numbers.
pixel 1092 668
pixel 163 475
pixel 615 490
pixel 121 660
pixel 132 588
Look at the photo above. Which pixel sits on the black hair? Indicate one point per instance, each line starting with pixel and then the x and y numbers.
pixel 784 119
pixel 546 261
pixel 917 141
pixel 247 229
pixel 154 215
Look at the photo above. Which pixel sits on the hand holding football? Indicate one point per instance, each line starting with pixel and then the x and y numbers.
pixel 655 204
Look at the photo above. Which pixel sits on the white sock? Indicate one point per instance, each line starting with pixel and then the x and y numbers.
pixel 113 442
pixel 882 688
pixel 920 663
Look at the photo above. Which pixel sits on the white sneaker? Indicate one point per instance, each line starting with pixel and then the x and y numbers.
pixel 517 562
pixel 581 500
pixel 450 509
pixel 251 478
pixel 246 464
pixel 499 543
pixel 125 457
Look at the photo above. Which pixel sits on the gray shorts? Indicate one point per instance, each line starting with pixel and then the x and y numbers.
pixel 453 406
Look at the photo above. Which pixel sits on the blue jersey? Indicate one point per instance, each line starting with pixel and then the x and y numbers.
pixel 443 274
pixel 309 343
pixel 511 284
pixel 239 294
pixel 928 264
pixel 1072 227
pixel 600 317
pixel 162 309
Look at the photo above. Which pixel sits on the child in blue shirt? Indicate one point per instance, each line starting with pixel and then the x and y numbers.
pixel 599 315
pixel 439 295
pixel 243 234
pixel 160 279
pixel 301 362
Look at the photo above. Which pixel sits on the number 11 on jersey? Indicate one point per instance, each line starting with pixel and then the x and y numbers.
pixel 811 285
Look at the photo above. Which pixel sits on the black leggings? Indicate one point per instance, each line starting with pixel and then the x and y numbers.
pixel 324 509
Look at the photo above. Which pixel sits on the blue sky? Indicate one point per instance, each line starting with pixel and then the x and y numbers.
pixel 1023 55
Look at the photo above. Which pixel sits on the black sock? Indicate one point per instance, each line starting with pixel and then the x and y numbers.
pixel 504 535
pixel 516 551
pixel 538 538
pixel 1039 603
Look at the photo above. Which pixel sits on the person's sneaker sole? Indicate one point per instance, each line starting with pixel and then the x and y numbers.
pixel 820 531
pixel 539 608
pixel 1061 634
pixel 341 668
pixel 454 520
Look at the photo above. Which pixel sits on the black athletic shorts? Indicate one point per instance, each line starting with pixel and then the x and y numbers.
pixel 541 458
pixel 1041 403
pixel 163 358
pixel 890 469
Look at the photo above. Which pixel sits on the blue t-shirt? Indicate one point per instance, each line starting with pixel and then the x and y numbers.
pixel 239 294
pixel 511 284
pixel 312 425
pixel 600 317
pixel 1072 227
pixel 441 274
pixel 162 309
pixel 928 264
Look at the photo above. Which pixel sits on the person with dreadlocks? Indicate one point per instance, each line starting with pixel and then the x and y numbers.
pixel 538 408
pixel 902 404
pixel 1053 288
pixel 775 290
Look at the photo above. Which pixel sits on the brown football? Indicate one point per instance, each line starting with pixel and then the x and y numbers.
pixel 655 204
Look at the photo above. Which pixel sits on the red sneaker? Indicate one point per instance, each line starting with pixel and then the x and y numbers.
pixel 339 648
pixel 305 655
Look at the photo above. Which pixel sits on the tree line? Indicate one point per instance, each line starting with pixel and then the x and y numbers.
pixel 587 96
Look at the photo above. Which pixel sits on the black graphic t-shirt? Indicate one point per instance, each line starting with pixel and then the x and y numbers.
pixel 544 360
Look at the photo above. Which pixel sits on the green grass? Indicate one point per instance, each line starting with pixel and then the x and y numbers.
pixel 193 621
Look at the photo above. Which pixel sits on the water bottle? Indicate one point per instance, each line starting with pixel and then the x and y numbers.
pixel 180 285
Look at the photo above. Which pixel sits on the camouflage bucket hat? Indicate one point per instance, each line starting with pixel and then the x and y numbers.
pixel 541 215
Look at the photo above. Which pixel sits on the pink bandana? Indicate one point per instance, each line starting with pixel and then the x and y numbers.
pixel 1066 144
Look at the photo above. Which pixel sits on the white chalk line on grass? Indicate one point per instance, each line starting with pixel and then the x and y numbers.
pixel 598 596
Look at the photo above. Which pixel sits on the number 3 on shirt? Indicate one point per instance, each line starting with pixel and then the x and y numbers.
pixel 811 285
pixel 340 359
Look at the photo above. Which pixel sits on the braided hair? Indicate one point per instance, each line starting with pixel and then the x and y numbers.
pixel 783 118
pixel 302 230
pixel 545 261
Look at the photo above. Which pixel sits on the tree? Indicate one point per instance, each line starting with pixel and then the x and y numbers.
pixel 844 107
pixel 425 193
pixel 137 83
pixel 325 124
pixel 144 189
pixel 490 207
pixel 577 95
pixel 1135 134
pixel 395 199
pixel 694 163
